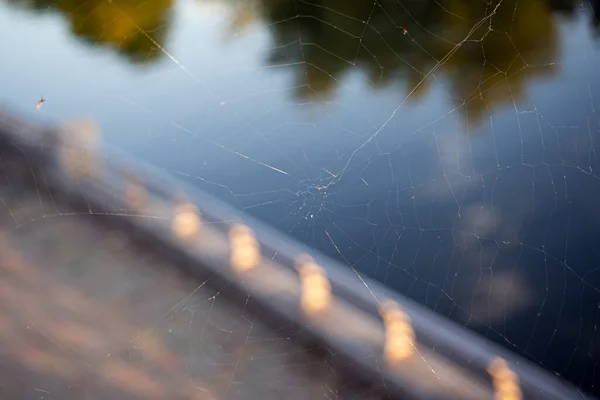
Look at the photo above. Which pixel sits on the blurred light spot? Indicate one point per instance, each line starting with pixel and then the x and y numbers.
pixel 245 250
pixel 316 289
pixel 505 381
pixel 399 335
pixel 186 222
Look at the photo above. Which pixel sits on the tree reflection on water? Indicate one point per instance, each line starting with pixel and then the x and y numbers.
pixel 487 53
pixel 123 25
pixel 482 53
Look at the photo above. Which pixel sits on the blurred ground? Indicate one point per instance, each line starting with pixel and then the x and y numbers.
pixel 87 314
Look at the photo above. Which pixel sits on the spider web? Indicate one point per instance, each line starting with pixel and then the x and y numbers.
pixel 445 148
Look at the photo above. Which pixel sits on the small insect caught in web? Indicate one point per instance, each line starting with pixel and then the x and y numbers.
pixel 404 31
pixel 40 104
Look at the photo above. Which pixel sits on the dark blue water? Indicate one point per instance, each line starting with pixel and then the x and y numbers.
pixel 449 149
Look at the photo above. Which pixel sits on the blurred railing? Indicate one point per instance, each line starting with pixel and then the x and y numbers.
pixel 374 343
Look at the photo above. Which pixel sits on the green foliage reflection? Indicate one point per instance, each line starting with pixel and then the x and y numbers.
pixel 122 25
pixel 484 53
